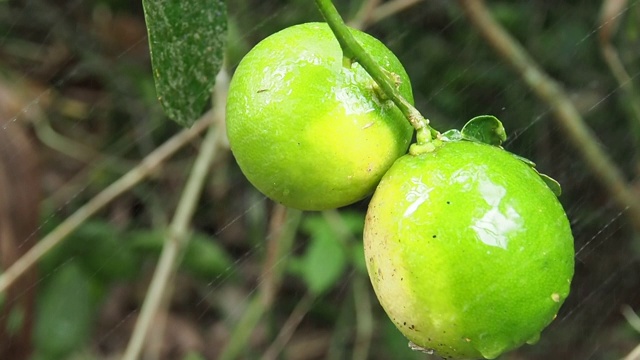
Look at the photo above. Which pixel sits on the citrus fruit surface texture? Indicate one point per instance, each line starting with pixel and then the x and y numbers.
pixel 308 131
pixel 469 252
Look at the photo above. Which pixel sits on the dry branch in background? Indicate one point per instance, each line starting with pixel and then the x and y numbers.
pixel 19 203
pixel 552 94
pixel 610 16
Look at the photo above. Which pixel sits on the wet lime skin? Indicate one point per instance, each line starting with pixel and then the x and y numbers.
pixel 469 252
pixel 309 131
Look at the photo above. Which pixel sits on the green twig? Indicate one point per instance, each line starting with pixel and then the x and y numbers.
pixel 353 51
pixel 551 93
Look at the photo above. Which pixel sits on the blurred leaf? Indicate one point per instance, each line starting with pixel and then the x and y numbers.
pixel 146 240
pixel 99 248
pixel 357 257
pixel 354 222
pixel 15 320
pixel 104 254
pixel 205 257
pixel 192 355
pixel 485 129
pixel 186 41
pixel 295 266
pixel 325 259
pixel 64 313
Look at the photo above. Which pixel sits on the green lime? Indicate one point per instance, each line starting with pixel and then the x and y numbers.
pixel 468 250
pixel 309 131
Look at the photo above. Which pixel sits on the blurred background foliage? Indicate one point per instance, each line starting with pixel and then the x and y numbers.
pixel 76 92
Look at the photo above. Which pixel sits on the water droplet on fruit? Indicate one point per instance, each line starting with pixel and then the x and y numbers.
pixel 495 225
pixel 415 347
pixel 416 196
pixel 493 352
pixel 534 339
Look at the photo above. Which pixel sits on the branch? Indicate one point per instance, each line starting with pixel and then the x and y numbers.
pixel 390 8
pixel 634 354
pixel 177 237
pixel 372 12
pixel 610 16
pixel 550 92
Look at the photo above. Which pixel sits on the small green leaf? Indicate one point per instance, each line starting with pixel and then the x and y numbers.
pixel 64 313
pixel 186 41
pixel 146 241
pixel 451 135
pixel 357 257
pixel 485 129
pixel 100 250
pixel 205 257
pixel 551 183
pixel 325 259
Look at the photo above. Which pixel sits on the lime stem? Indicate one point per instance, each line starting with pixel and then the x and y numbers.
pixel 353 51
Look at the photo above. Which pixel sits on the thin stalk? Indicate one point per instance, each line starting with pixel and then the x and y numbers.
pixel 289 327
pixel 177 237
pixel 282 231
pixel 175 243
pixel 353 52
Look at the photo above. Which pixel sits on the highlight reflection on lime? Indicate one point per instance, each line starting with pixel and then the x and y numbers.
pixel 308 131
pixel 469 252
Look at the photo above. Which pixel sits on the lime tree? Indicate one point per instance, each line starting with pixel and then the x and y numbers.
pixel 311 129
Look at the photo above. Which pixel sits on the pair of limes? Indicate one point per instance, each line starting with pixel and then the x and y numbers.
pixel 468 250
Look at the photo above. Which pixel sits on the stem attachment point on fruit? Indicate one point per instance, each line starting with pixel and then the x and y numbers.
pixel 426 141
